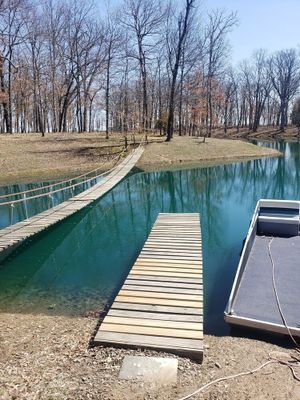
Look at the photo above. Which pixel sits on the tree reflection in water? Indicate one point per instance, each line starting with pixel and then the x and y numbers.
pixel 79 264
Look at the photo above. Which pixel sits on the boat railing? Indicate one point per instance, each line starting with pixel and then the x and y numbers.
pixel 243 259
pixel 279 217
pixel 273 203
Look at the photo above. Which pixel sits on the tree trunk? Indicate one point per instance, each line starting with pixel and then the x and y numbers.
pixel 107 93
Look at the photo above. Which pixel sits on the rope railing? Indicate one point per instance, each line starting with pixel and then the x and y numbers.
pixel 3 196
pixel 70 179
pixel 51 192
pixel 12 205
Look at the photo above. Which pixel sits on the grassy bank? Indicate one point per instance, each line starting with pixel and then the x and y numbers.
pixel 30 157
pixel 190 150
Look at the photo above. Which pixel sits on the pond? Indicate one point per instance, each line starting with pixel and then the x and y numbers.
pixel 78 265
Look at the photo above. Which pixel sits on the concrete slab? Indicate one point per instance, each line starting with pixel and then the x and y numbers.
pixel 157 370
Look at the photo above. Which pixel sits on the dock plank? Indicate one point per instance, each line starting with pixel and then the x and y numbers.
pixel 154 323
pixel 160 305
pixel 159 301
pixel 155 315
pixel 165 284
pixel 152 331
pixel 166 274
pixel 161 289
pixel 186 280
pixel 161 295
pixel 185 347
pixel 157 308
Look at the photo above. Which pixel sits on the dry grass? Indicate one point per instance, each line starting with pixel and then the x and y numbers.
pixel 29 157
pixel 191 150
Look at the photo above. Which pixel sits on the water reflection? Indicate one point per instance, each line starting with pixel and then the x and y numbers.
pixel 79 264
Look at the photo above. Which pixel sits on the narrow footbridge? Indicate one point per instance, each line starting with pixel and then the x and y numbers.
pixel 14 235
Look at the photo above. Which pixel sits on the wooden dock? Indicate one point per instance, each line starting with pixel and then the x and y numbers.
pixel 160 305
pixel 12 236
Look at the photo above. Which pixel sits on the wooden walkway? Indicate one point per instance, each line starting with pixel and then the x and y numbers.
pixel 160 305
pixel 12 236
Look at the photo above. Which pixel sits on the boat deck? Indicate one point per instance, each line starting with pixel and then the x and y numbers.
pixel 255 297
pixel 160 305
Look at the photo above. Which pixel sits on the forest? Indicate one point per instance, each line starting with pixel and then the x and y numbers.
pixel 75 66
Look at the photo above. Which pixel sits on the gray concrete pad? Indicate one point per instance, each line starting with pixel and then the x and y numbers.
pixel 161 371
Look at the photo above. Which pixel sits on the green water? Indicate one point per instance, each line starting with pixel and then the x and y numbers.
pixel 78 265
pixel 26 209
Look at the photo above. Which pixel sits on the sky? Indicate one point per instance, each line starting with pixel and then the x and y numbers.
pixel 268 24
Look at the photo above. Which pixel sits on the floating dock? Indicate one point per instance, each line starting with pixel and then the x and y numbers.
pixel 160 305
pixel 12 236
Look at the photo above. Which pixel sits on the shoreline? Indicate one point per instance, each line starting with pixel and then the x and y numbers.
pixel 143 167
pixel 213 162
pixel 48 357
pixel 180 153
pixel 191 153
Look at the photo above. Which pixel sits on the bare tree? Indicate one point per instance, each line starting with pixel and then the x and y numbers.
pixel 285 77
pixel 219 25
pixel 143 18
pixel 175 40
pixel 113 43
pixel 35 45
pixel 262 87
pixel 295 115
pixel 256 87
pixel 230 88
pixel 11 31
pixel 63 68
